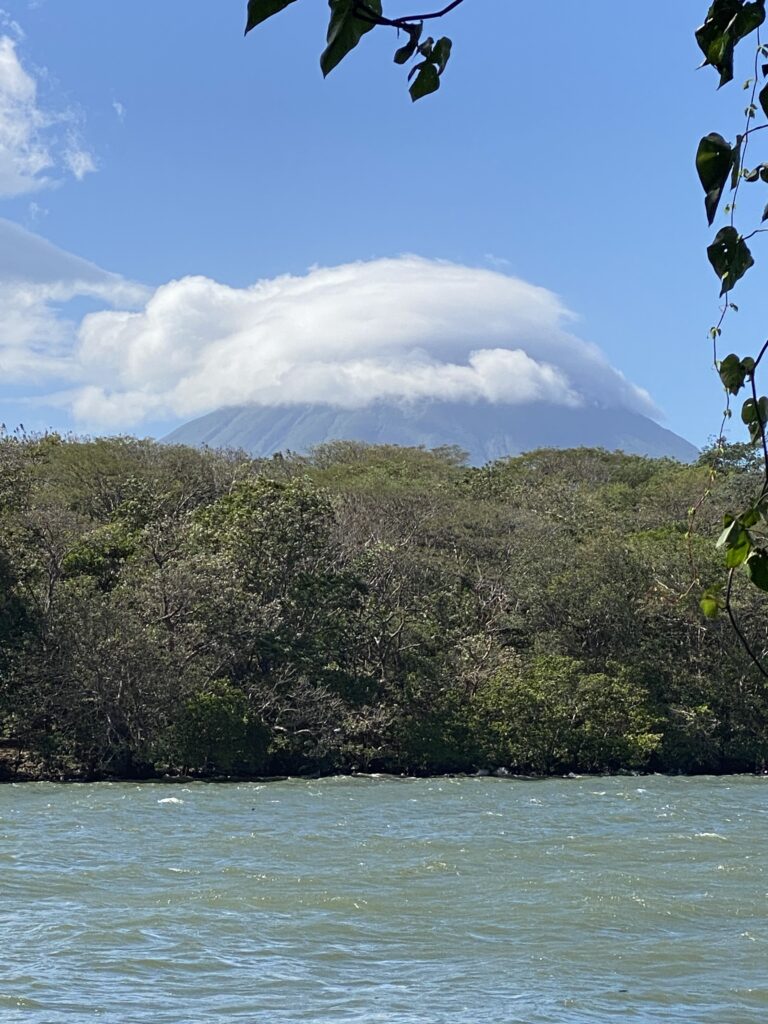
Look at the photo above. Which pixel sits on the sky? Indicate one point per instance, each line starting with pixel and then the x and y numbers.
pixel 191 219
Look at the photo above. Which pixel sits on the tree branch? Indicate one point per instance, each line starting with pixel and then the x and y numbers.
pixel 737 629
pixel 362 10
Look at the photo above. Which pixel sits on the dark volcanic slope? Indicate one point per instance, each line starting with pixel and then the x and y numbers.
pixel 484 430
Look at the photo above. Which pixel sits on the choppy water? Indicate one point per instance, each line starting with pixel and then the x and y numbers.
pixel 378 900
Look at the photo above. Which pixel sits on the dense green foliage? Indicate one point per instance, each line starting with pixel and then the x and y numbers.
pixel 164 610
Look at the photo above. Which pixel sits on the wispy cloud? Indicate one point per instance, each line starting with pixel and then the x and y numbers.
pixel 38 334
pixel 78 160
pixel 10 25
pixel 36 143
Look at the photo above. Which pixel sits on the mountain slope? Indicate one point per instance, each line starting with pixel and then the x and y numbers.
pixel 486 431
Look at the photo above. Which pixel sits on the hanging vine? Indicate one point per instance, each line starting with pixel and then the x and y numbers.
pixel 721 166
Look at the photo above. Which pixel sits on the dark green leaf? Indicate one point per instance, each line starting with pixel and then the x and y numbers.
pixel 260 10
pixel 427 80
pixel 441 53
pixel 751 16
pixel 764 218
pixel 750 518
pixel 730 257
pixel 345 30
pixel 763 97
pixel 749 412
pixel 752 175
pixel 727 22
pixel 755 416
pixel 732 373
pixel 714 160
pixel 404 54
pixel 757 569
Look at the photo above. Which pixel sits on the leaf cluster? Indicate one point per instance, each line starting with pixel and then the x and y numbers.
pixel 350 20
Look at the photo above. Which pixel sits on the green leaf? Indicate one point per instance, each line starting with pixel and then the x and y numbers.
pixel 751 517
pixel 441 53
pixel 737 552
pixel 727 22
pixel 757 568
pixel 750 17
pixel 260 10
pixel 730 257
pixel 345 30
pixel 404 54
pixel 755 416
pixel 714 161
pixel 763 97
pixel 732 373
pixel 726 538
pixel 711 602
pixel 749 412
pixel 427 80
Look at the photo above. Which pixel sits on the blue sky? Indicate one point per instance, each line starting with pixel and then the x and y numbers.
pixel 559 152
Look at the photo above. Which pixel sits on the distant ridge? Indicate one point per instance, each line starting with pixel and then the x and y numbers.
pixel 486 431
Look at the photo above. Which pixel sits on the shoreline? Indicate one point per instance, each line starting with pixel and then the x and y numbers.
pixel 501 775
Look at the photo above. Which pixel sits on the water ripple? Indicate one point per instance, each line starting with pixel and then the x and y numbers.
pixel 355 901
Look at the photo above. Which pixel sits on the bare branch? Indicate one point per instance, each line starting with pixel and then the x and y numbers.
pixel 362 10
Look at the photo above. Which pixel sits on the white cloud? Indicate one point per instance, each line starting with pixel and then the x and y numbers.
pixel 406 328
pixel 9 23
pixel 391 329
pixel 37 280
pixel 78 160
pixel 34 141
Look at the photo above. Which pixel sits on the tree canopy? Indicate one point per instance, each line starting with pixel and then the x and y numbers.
pixel 167 610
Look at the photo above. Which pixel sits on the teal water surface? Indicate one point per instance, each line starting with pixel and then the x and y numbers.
pixel 382 900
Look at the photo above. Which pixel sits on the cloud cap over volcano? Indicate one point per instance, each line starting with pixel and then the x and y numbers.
pixel 404 328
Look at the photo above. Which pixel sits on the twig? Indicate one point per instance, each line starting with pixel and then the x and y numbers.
pixel 368 14
pixel 737 629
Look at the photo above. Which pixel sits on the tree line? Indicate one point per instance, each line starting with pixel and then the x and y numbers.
pixel 165 610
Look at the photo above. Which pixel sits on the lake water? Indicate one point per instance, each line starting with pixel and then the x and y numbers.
pixel 474 901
